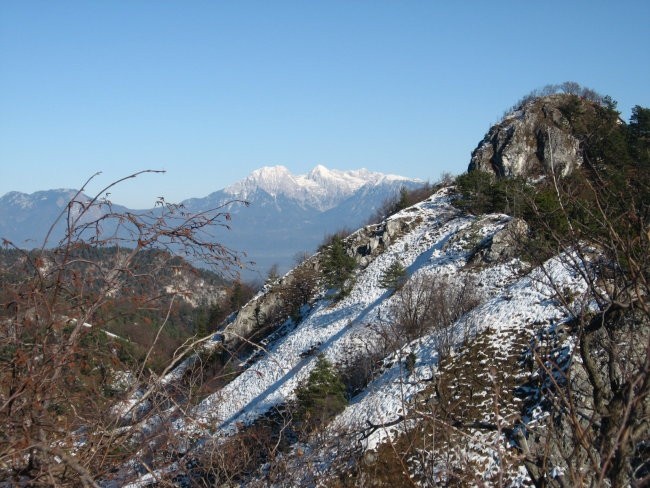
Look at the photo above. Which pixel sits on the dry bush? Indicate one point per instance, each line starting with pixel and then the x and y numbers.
pixel 58 367
pixel 406 198
pixel 328 239
pixel 254 451
pixel 432 303
pixel 359 372
pixel 599 399
pixel 298 290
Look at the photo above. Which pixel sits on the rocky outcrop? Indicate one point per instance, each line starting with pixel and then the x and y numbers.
pixel 501 246
pixel 364 245
pixel 533 140
pixel 370 241
pixel 265 304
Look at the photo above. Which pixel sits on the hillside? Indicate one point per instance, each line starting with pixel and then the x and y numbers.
pixel 138 305
pixel 515 305
pixel 446 386
pixel 496 333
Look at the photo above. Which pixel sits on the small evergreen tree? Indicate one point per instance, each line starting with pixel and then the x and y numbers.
pixel 403 201
pixel 394 276
pixel 337 265
pixel 273 274
pixel 639 135
pixel 322 396
pixel 201 317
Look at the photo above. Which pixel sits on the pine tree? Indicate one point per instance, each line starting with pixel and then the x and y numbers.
pixel 403 201
pixel 639 135
pixel 322 396
pixel 273 274
pixel 337 265
pixel 394 276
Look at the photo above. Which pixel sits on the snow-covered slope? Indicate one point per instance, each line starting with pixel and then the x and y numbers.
pixel 513 302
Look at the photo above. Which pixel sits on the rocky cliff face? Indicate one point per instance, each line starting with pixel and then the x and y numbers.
pixel 364 245
pixel 533 140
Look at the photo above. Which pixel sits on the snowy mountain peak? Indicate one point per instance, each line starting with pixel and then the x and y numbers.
pixel 322 188
pixel 268 178
pixel 270 173
pixel 319 169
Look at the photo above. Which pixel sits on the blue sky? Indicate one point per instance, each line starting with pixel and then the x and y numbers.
pixel 210 91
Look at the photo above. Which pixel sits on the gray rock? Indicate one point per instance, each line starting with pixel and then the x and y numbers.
pixel 534 140
pixel 364 245
pixel 502 245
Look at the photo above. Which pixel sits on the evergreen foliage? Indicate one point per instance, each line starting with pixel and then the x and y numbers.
pixel 337 266
pixel 273 275
pixel 394 276
pixel 410 361
pixel 615 176
pixel 639 135
pixel 403 200
pixel 322 396
pixel 602 208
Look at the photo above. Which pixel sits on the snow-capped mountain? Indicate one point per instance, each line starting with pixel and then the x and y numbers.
pixel 320 189
pixel 287 214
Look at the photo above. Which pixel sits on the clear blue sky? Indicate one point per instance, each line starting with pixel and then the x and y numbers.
pixel 211 90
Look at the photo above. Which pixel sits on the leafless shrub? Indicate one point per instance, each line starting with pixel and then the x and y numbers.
pixel 57 364
pixel 600 396
pixel 328 239
pixel 568 87
pixel 357 374
pixel 405 198
pixel 432 303
pixel 298 289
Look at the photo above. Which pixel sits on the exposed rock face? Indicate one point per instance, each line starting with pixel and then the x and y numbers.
pixel 370 241
pixel 364 245
pixel 502 245
pixel 531 141
pixel 247 320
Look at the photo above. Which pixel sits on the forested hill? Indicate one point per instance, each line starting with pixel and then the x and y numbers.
pixel 157 288
pixel 151 268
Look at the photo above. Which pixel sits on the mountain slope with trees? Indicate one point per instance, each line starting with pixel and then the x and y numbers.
pixel 495 333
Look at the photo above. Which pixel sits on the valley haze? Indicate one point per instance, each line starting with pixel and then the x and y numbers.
pixel 288 214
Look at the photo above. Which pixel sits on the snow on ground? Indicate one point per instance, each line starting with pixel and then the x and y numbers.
pixel 521 304
pixel 330 327
pixel 439 245
pixel 335 329
pixel 514 312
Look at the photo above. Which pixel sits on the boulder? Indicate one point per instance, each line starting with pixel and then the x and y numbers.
pixel 502 245
pixel 533 140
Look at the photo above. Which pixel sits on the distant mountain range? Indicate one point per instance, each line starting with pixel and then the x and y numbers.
pixel 287 214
